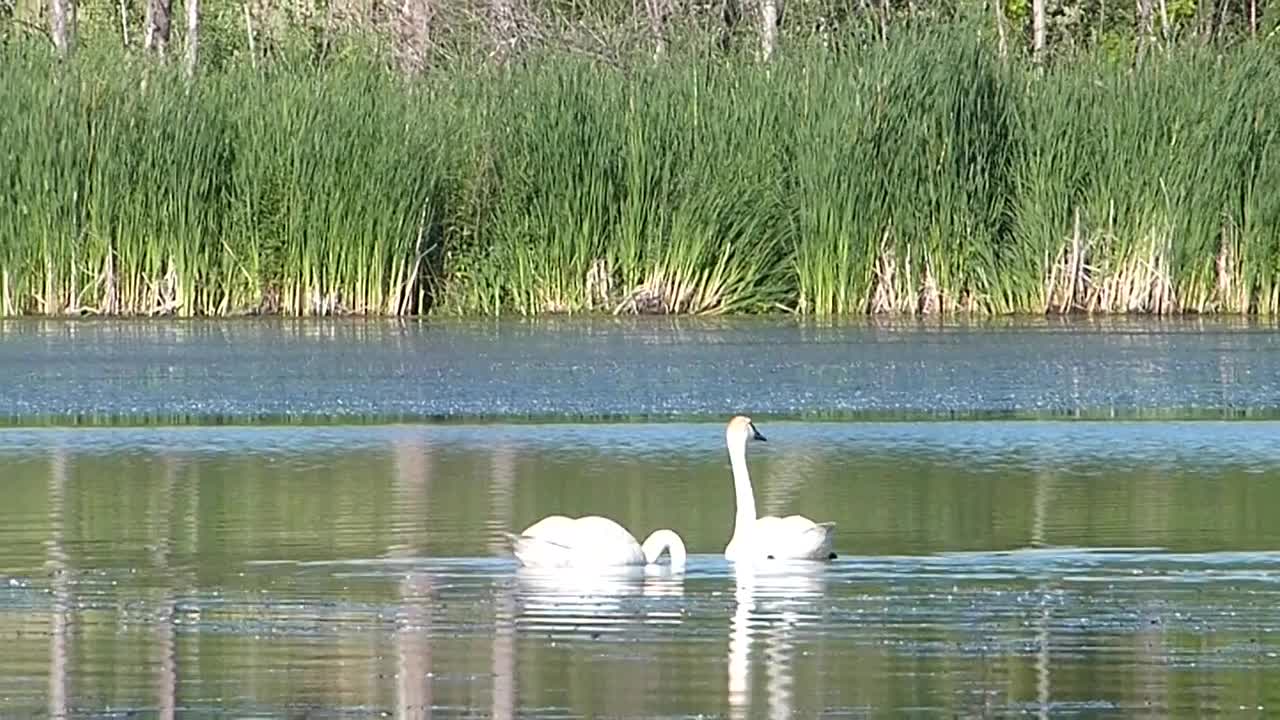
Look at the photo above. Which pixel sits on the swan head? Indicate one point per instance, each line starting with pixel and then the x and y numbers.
pixel 664 540
pixel 741 431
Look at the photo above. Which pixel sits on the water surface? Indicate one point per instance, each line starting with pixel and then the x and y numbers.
pixel 986 568
pixel 207 371
pixel 272 531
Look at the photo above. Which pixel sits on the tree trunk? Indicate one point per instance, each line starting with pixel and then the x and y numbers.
pixel 998 8
pixel 28 11
pixel 158 20
pixel 415 34
pixel 1038 30
pixel 769 14
pixel 1144 28
pixel 62 25
pixel 252 37
pixel 124 24
pixel 1221 22
pixel 728 21
pixel 502 26
pixel 659 13
pixel 193 36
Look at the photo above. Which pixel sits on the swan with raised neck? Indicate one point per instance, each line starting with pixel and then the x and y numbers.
pixel 793 537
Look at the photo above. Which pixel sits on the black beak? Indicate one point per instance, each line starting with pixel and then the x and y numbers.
pixel 755 434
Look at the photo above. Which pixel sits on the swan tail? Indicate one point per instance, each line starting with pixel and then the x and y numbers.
pixel 822 549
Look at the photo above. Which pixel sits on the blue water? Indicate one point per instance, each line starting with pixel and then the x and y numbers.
pixel 271 533
pixel 330 370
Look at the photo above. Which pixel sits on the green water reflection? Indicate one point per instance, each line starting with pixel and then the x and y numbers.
pixel 361 570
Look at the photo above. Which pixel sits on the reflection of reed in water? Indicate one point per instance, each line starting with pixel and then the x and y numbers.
pixel 770 601
pixel 167 684
pixel 59 630
pixel 412 480
pixel 788 473
pixel 502 483
pixel 501 489
pixel 1040 506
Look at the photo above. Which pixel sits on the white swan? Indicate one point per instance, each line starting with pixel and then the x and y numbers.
pixel 558 541
pixel 794 537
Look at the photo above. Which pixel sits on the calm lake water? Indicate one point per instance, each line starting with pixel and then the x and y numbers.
pixel 187 567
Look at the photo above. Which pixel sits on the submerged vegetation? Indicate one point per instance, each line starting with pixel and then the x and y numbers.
pixel 924 174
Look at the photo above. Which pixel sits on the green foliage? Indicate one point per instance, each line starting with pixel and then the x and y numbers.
pixel 125 190
pixel 1135 190
pixel 609 191
pixel 919 175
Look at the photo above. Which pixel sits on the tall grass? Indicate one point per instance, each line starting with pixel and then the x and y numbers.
pixel 925 175
pixel 903 157
pixel 126 191
pixel 616 193
pixel 1135 191
pixel 340 186
pixel 706 222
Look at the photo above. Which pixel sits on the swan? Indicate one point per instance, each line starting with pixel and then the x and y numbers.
pixel 794 537
pixel 558 541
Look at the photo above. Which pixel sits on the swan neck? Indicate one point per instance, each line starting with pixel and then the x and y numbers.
pixel 660 541
pixel 746 501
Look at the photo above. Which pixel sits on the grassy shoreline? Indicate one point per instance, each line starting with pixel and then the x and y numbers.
pixel 928 176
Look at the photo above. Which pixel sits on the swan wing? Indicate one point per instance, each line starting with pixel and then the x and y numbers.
pixel 795 537
pixel 559 541
pixel 551 526
pixel 540 552
pixel 603 530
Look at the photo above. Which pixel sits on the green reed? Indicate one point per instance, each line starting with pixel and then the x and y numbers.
pixel 340 185
pixel 1135 190
pixel 902 163
pixel 129 191
pixel 923 175
pixel 705 226
pixel 607 192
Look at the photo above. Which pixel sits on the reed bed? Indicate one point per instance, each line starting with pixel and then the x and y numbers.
pixel 1148 192
pixel 923 176
pixel 126 191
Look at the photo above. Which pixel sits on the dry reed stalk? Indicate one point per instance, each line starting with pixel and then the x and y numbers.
pixel 907 302
pixel 664 292
pixel 930 297
pixel 1231 294
pixel 884 299
pixel 1068 275
pixel 110 303
pixel 1141 284
pixel 599 283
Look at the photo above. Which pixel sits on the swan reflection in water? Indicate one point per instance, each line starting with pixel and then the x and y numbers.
pixel 771 600
pixel 574 600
